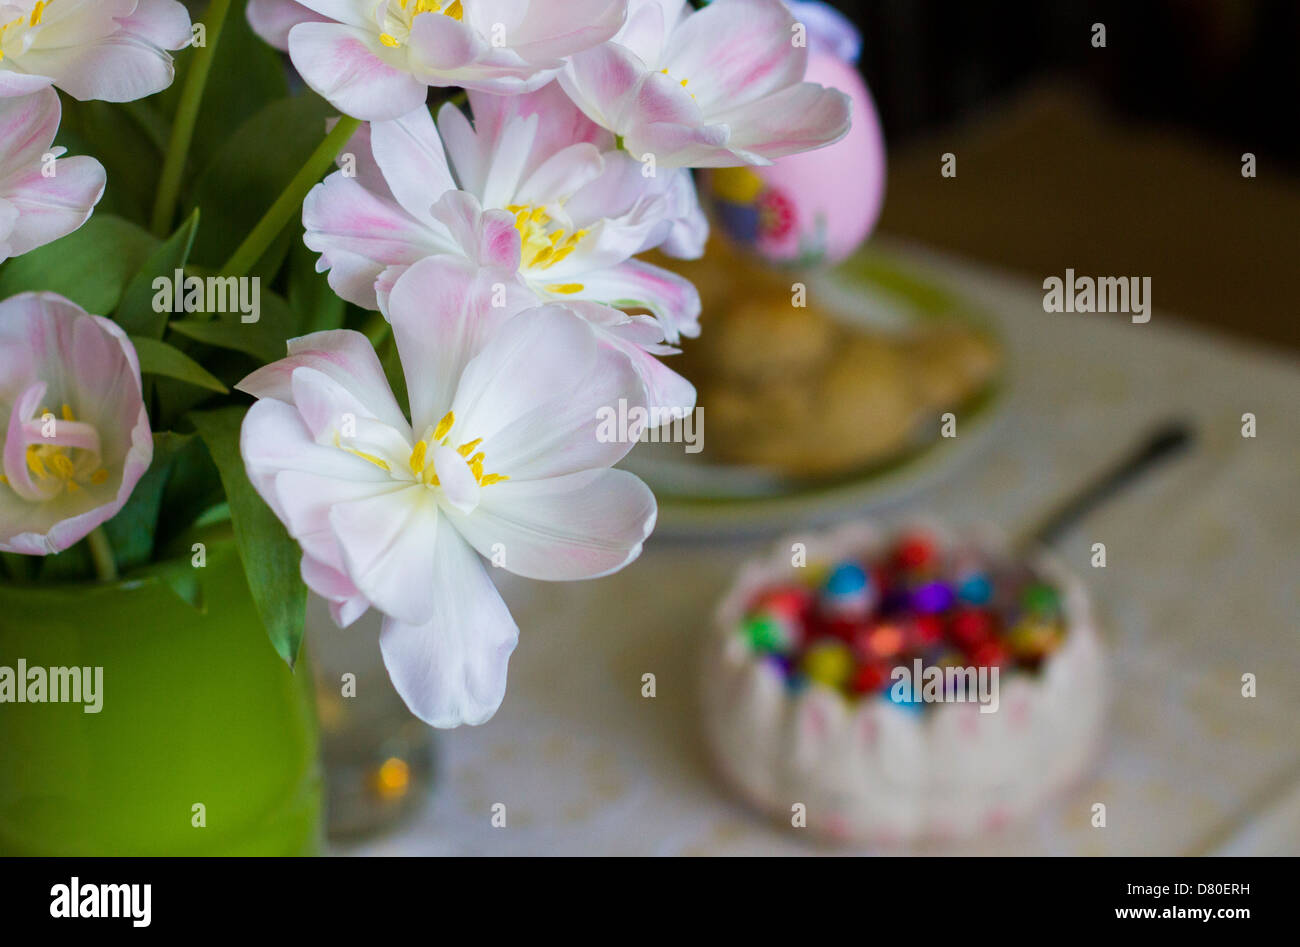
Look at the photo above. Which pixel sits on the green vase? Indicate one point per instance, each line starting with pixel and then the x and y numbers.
pixel 198 711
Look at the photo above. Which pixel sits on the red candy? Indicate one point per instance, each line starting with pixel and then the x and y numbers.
pixel 792 602
pixel 869 677
pixel 988 654
pixel 927 630
pixel 971 626
pixel 879 641
pixel 845 629
pixel 915 551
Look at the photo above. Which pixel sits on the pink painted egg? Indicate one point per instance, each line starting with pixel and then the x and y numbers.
pixel 816 207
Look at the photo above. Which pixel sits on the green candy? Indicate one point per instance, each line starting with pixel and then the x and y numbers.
pixel 1041 599
pixel 764 633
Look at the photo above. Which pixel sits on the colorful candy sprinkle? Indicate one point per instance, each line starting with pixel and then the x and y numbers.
pixel 847 624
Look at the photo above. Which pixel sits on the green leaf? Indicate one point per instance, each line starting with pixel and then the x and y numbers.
pixel 91 266
pixel 131 532
pixel 123 146
pixel 137 314
pixel 271 557
pixel 193 491
pixel 264 339
pixel 159 358
pixel 316 306
pixel 247 73
pixel 251 169
pixel 227 335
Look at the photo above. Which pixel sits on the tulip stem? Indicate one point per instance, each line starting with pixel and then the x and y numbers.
pixel 187 114
pixel 290 200
pixel 101 550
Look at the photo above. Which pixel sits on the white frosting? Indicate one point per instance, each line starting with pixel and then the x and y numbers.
pixel 870 770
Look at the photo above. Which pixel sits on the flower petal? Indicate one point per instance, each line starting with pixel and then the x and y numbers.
pixel 443 313
pixel 409 153
pixel 343 355
pixel 579 526
pixel 451 670
pixel 346 66
pixel 673 299
pixel 388 543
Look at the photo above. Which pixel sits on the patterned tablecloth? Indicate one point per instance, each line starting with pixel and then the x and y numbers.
pixel 1200 588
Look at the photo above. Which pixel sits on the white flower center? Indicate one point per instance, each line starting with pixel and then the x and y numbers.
pixel 544 244
pixel 54 467
pixel 15 36
pixel 397 16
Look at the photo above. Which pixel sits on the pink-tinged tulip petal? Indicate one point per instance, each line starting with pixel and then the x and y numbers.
pixel 757 59
pixel 444 310
pixel 484 45
pixel 42 197
pixel 348 66
pixel 165 23
pixel 551 31
pixel 640 339
pixel 388 544
pixel 538 437
pixel 814 117
pixel 579 526
pixel 273 19
pixel 346 603
pixel 359 234
pixel 517 370
pixel 414 166
pixel 604 82
pixel 487 238
pixel 112 50
pixel 439 44
pixel 343 355
pixel 451 670
pixel 633 285
pixel 16 84
pixel 75 431
pixel 695 100
pixel 274 438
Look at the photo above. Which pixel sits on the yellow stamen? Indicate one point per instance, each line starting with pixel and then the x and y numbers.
pixel 34 462
pixel 417 457
pixel 377 461
pixel 67 413
pixel 371 458
pixel 444 426
pixel 489 479
pixel 466 449
pixel 99 476
pixel 565 289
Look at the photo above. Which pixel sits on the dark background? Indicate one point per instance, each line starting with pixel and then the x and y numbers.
pixel 1119 161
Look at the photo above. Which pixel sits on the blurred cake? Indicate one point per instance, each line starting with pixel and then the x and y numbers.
pixel 796 390
pixel 818 690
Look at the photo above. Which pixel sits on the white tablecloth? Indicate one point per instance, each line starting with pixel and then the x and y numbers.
pixel 1200 588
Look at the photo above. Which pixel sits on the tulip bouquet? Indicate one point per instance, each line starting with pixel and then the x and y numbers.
pixel 428 334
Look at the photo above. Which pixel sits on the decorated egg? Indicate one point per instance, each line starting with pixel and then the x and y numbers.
pixel 815 207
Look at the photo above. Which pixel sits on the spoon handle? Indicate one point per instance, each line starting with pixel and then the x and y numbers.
pixel 1165 442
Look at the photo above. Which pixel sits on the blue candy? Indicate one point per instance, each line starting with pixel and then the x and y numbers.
pixel 846 580
pixel 975 588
